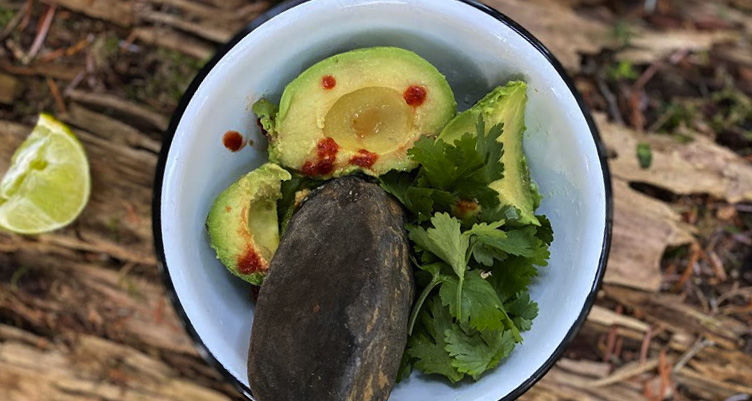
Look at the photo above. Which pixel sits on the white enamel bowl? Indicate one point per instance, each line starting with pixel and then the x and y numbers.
pixel 477 48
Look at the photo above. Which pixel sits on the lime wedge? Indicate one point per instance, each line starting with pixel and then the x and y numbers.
pixel 48 183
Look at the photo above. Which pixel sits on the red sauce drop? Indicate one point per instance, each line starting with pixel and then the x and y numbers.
pixel 465 208
pixel 364 159
pixel 415 95
pixel 326 150
pixel 251 262
pixel 233 141
pixel 328 82
pixel 309 168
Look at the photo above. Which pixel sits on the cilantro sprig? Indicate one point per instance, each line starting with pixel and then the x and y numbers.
pixel 476 262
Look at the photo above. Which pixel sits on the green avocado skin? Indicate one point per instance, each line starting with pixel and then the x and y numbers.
pixel 331 320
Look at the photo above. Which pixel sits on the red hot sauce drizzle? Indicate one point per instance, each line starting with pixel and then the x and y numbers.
pixel 364 159
pixel 328 82
pixel 233 141
pixel 250 262
pixel 415 95
pixel 326 150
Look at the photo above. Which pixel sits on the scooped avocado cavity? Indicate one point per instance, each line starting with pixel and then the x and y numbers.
pixel 242 223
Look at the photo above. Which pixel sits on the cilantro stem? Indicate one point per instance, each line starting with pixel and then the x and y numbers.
pixel 421 300
pixel 459 297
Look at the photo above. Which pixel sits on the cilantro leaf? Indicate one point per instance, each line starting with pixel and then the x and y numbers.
pixel 397 183
pixel 467 159
pixel 522 310
pixel 487 255
pixel 476 352
pixel 420 201
pixel 483 231
pixel 492 150
pixel 436 164
pixel 523 242
pixel 480 307
pixel 406 367
pixel 436 278
pixel 443 240
pixel 545 232
pixel 512 276
pixel 428 346
pixel 484 236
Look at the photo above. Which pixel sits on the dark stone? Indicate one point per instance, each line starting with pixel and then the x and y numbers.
pixel 331 318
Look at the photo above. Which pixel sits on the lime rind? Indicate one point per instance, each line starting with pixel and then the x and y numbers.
pixel 48 183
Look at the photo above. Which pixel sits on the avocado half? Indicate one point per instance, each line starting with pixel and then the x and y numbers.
pixel 504 105
pixel 242 222
pixel 357 111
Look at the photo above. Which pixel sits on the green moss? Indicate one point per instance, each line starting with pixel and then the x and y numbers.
pixel 6 15
pixel 677 114
pixel 644 155
pixel 623 33
pixel 173 72
pixel 16 277
pixel 622 70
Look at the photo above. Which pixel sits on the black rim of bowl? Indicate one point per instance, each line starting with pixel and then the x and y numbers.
pixel 271 13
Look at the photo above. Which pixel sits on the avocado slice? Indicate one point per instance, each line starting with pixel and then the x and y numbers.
pixel 504 105
pixel 357 111
pixel 242 223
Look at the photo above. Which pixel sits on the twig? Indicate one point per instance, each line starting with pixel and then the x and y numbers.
pixel 210 33
pixel 15 50
pixel 27 15
pixel 43 29
pixel 744 291
pixel 57 96
pixel 663 372
pixel 618 347
pixel 645 347
pixel 714 261
pixel 739 397
pixel 136 112
pixel 74 83
pixel 626 372
pixel 66 51
pixel 694 256
pixel 637 117
pixel 613 105
pixel 13 22
pixel 159 311
pixel 690 353
pixel 612 337
pixel 701 297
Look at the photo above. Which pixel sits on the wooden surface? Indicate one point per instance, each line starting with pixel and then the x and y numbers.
pixel 84 316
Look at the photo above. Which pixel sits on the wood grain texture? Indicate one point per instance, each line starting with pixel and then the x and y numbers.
pixel 83 312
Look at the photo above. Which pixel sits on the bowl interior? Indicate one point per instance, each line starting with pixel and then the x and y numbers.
pixel 476 52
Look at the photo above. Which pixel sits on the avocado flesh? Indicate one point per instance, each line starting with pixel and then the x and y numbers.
pixel 242 223
pixel 375 102
pixel 504 105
